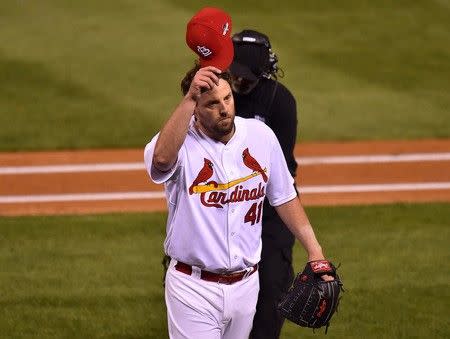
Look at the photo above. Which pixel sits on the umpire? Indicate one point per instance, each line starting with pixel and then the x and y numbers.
pixel 258 94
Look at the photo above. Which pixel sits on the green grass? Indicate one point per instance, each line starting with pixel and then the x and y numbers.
pixel 100 276
pixel 82 277
pixel 83 74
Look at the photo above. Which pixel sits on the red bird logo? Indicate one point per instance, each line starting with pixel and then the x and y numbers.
pixel 205 173
pixel 251 163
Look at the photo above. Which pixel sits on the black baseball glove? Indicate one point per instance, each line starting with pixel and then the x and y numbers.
pixel 311 301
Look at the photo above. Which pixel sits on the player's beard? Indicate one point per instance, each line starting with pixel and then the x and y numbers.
pixel 220 129
pixel 224 126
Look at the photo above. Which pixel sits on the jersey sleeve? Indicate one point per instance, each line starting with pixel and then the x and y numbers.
pixel 157 176
pixel 280 187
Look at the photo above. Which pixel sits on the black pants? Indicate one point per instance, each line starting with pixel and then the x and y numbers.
pixel 275 275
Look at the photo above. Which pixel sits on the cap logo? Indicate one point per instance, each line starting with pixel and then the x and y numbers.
pixel 205 51
pixel 225 28
pixel 249 39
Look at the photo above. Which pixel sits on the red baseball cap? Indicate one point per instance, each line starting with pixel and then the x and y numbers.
pixel 208 34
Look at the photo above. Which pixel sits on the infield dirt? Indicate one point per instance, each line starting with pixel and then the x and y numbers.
pixel 331 174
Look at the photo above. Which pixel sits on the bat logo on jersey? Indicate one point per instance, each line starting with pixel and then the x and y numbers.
pixel 212 193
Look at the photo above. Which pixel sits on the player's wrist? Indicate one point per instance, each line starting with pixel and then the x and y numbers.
pixel 189 103
pixel 316 254
pixel 191 98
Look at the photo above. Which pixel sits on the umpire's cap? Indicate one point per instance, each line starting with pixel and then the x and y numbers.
pixel 251 54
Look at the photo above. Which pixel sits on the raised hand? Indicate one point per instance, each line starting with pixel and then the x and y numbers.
pixel 205 79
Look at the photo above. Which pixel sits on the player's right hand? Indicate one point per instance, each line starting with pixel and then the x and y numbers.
pixel 205 79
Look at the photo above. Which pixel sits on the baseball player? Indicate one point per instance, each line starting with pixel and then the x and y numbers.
pixel 217 169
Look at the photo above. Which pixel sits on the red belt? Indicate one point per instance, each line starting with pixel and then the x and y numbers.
pixel 228 279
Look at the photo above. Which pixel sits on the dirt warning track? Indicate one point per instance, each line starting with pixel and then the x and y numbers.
pixel 100 181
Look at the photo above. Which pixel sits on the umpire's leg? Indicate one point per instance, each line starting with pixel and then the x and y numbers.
pixel 275 274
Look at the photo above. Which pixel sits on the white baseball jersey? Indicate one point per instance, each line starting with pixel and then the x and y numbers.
pixel 215 194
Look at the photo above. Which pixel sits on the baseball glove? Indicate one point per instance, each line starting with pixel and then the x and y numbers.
pixel 311 301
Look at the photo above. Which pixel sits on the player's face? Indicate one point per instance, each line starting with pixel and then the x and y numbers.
pixel 215 112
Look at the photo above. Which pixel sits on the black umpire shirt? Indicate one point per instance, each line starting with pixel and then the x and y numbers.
pixel 271 102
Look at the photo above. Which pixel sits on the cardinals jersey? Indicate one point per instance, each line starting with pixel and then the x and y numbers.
pixel 215 194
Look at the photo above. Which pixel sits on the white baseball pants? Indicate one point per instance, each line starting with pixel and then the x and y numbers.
pixel 198 309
